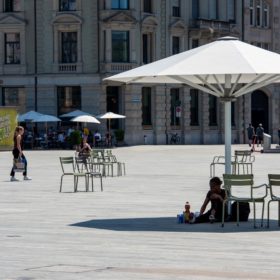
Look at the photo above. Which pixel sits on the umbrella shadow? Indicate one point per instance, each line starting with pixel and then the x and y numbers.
pixel 168 224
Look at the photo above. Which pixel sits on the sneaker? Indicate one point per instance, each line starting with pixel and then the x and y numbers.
pixel 13 179
pixel 26 178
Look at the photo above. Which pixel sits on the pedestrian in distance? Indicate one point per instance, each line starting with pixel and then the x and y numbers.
pixel 250 133
pixel 18 153
pixel 259 133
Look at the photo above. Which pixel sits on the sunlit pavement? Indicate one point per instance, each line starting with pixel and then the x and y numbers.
pixel 129 230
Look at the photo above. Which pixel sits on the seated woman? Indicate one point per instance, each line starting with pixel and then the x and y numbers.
pixel 85 148
pixel 216 196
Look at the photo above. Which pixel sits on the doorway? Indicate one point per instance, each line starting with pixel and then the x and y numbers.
pixel 259 110
pixel 112 100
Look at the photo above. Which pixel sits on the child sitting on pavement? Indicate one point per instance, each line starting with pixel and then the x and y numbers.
pixel 216 196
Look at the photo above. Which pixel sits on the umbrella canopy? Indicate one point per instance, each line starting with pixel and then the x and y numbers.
pixel 46 118
pixel 110 115
pixel 74 114
pixel 85 119
pixel 29 116
pixel 226 68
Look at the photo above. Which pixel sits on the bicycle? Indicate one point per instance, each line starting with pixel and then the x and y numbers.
pixel 175 139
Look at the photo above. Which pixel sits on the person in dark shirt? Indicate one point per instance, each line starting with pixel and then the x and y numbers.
pixel 216 196
pixel 259 133
pixel 250 133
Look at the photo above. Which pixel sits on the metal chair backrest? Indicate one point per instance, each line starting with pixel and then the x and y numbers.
pixel 67 164
pixel 274 185
pixel 239 182
pixel 243 156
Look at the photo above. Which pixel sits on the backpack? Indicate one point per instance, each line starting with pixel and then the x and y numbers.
pixel 244 211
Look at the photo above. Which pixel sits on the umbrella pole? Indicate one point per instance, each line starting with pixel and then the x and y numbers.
pixel 227 137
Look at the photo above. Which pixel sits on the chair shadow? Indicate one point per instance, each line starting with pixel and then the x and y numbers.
pixel 169 224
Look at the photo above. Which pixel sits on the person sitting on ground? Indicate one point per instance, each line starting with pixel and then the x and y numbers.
pixel 216 196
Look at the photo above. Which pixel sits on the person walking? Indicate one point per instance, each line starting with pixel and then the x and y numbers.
pixel 18 153
pixel 250 133
pixel 259 133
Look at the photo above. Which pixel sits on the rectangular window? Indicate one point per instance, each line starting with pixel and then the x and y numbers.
pixel 146 106
pixel 113 104
pixel 175 107
pixel 67 5
pixel 176 8
pixel 148 48
pixel 231 10
pixel 68 99
pixel 11 6
pixel 252 23
pixel 258 13
pixel 265 15
pixel 195 9
pixel 120 46
pixel 194 107
pixel 212 110
pixel 12 96
pixel 120 4
pixel 147 6
pixel 69 47
pixel 212 9
pixel 12 48
pixel 175 45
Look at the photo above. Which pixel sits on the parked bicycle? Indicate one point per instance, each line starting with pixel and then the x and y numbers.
pixel 175 139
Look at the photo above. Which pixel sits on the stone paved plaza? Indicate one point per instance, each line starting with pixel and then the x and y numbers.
pixel 129 230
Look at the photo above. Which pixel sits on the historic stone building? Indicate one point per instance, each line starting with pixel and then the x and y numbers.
pixel 54 55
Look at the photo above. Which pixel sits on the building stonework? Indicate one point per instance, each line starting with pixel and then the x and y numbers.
pixel 73 45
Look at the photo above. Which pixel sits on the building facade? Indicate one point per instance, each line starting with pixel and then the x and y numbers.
pixel 54 55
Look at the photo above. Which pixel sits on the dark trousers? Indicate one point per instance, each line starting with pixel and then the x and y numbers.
pixel 16 155
pixel 218 207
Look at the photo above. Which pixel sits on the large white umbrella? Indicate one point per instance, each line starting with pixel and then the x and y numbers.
pixel 28 116
pixel 74 114
pixel 226 68
pixel 109 116
pixel 85 119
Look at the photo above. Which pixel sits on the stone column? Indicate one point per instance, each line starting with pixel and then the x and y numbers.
pixel 134 134
pixel 161 115
pixel 204 118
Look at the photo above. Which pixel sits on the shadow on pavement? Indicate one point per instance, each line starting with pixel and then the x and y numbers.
pixel 168 224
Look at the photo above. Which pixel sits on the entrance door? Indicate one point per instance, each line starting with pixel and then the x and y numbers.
pixel 259 109
pixel 112 99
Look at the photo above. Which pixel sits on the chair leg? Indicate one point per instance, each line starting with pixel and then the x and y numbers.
pixel 223 215
pixel 267 223
pixel 255 226
pixel 61 179
pixel 92 186
pixel 101 183
pixel 279 213
pixel 237 213
pixel 75 184
pixel 262 213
